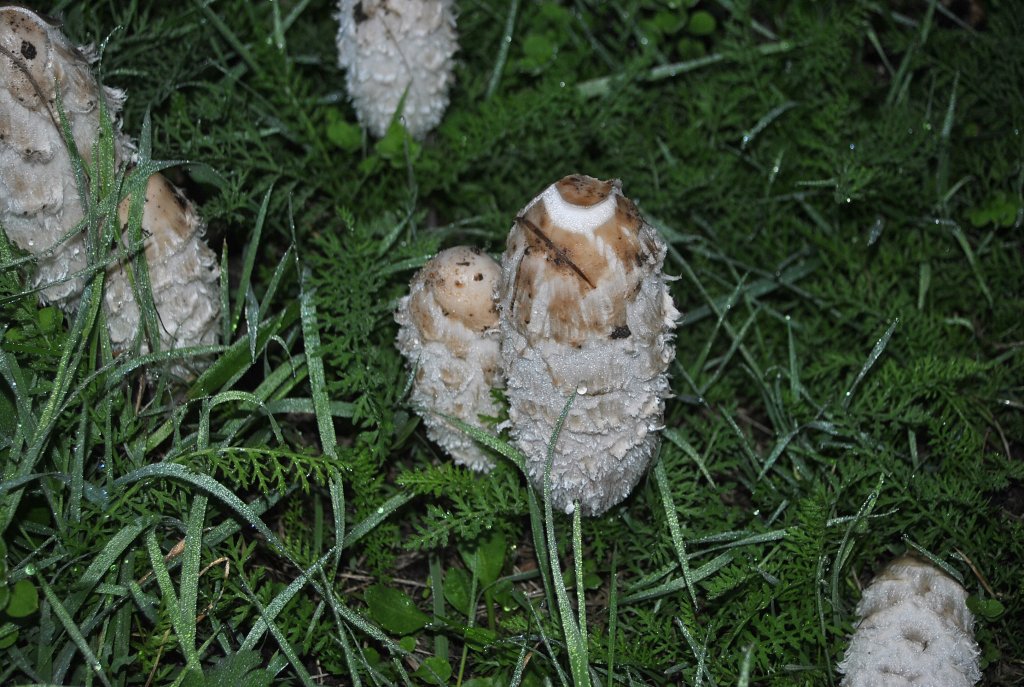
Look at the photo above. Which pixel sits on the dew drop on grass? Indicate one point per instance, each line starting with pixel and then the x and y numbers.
pixel 30 570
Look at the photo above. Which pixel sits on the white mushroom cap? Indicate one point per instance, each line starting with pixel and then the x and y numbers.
pixel 40 201
pixel 183 274
pixel 448 330
pixel 25 37
pixel 395 49
pixel 39 197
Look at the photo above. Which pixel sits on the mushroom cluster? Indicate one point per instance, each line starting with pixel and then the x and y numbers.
pixel 397 52
pixel 41 206
pixel 583 310
pixel 914 629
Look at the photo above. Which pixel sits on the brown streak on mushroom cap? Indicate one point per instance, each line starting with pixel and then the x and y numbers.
pixel 574 264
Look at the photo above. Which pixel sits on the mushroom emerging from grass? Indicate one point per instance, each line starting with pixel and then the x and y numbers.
pixel 395 49
pixel 183 275
pixel 914 629
pixel 41 206
pixel 39 199
pixel 448 333
pixel 585 309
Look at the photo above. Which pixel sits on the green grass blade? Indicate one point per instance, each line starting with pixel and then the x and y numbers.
pixel 278 603
pixel 189 585
pixel 876 353
pixel 577 649
pixel 74 632
pixel 671 516
pixel 113 550
pixel 317 381
pixel 248 261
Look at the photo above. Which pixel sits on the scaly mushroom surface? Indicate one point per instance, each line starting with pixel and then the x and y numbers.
pixel 40 202
pixel 914 629
pixel 585 309
pixel 41 206
pixel 392 49
pixel 448 333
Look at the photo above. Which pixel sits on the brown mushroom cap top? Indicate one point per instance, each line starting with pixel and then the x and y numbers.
pixel 167 217
pixel 462 280
pixel 585 250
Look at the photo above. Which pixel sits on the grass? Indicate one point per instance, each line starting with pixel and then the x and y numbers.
pixel 842 191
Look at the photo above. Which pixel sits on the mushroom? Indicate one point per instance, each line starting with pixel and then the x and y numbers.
pixel 40 202
pixel 39 198
pixel 585 310
pixel 183 276
pixel 448 333
pixel 395 49
pixel 914 629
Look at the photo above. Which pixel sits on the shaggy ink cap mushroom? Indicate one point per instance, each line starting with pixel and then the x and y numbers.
pixel 397 53
pixel 914 628
pixel 25 47
pixel 448 334
pixel 40 200
pixel 585 309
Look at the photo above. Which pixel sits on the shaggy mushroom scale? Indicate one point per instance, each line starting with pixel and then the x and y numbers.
pixel 914 629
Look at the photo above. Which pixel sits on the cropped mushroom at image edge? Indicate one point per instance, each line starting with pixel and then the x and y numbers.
pixel 914 628
pixel 40 202
pixel 397 52
pixel 585 309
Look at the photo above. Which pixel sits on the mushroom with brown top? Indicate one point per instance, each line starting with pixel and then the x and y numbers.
pixel 183 276
pixel 448 333
pixel 585 309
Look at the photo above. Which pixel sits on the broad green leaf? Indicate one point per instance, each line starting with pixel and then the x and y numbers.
pixel 456 589
pixel 24 600
pixel 394 610
pixel 434 671
pixel 487 558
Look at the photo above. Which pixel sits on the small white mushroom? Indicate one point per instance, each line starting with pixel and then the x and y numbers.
pixel 585 309
pixel 448 333
pixel 183 275
pixel 39 199
pixel 914 629
pixel 40 202
pixel 391 48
